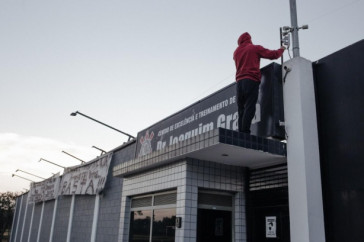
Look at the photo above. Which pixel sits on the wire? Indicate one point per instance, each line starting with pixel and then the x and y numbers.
pixel 332 11
pixel 290 57
pixel 211 87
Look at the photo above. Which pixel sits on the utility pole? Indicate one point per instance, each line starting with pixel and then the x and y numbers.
pixel 303 157
pixel 294 25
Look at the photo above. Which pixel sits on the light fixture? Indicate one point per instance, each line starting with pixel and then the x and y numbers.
pixel 41 159
pixel 30 174
pixel 102 151
pixel 22 178
pixel 77 112
pixel 73 156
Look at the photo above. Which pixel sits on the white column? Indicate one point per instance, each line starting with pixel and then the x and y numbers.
pixel 304 177
pixel 40 222
pixel 17 222
pixel 31 223
pixel 25 217
pixel 53 219
pixel 95 218
pixel 70 220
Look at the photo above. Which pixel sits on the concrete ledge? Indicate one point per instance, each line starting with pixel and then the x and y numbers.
pixel 219 145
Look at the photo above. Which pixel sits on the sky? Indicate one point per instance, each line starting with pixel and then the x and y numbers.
pixel 130 63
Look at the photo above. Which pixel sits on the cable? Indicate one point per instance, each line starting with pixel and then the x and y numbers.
pixel 213 86
pixel 290 57
pixel 332 11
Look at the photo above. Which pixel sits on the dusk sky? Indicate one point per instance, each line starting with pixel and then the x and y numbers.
pixel 130 63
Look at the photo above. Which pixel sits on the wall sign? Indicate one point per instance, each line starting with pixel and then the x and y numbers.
pixel 271 227
pixel 219 110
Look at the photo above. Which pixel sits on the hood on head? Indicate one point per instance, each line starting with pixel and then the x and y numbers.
pixel 245 39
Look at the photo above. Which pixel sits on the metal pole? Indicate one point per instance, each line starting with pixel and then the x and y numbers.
pixel 95 218
pixel 51 163
pixel 31 223
pixel 30 174
pixel 22 177
pixel 40 222
pixel 77 112
pixel 53 219
pixel 25 217
pixel 70 219
pixel 102 151
pixel 14 217
pixel 73 156
pixel 295 43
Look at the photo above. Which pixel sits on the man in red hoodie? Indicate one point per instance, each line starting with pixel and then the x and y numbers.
pixel 247 61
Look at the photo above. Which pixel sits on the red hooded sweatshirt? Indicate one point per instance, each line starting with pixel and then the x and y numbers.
pixel 247 58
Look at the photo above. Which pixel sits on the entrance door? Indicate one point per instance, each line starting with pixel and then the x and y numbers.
pixel 213 225
pixel 267 205
pixel 214 216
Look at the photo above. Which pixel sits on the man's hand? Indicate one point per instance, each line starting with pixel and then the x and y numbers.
pixel 283 47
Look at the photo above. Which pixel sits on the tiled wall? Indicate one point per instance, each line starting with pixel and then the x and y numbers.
pixel 109 211
pixel 82 218
pixel 16 218
pixel 187 176
pixel 61 222
pixel 215 176
pixel 110 200
pixel 31 225
pixel 24 233
pixel 47 220
pixel 20 216
pixel 164 178
pixel 35 224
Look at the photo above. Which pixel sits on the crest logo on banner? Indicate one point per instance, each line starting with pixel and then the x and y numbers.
pixel 146 143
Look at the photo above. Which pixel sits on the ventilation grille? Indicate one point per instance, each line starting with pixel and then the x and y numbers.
pixel 160 199
pixel 268 178
pixel 141 202
pixel 164 199
pixel 215 199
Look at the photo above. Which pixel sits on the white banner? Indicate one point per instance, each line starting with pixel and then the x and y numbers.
pixel 44 190
pixel 86 179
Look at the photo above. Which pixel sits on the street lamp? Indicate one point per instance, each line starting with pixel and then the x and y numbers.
pixel 22 177
pixel 102 151
pixel 41 159
pixel 30 174
pixel 77 112
pixel 73 156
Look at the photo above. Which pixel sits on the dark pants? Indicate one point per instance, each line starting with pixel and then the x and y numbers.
pixel 247 96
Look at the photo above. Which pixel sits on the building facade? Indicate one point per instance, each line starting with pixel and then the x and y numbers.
pixel 193 177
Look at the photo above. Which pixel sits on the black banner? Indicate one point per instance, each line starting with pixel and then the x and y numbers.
pixel 218 110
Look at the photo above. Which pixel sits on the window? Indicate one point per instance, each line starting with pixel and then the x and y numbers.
pixel 153 218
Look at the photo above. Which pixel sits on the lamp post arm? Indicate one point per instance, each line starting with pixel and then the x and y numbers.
pixel 52 163
pixel 23 178
pixel 130 136
pixel 30 174
pixel 73 156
